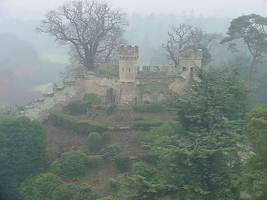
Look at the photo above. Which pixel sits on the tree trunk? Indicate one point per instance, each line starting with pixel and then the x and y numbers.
pixel 89 59
pixel 250 69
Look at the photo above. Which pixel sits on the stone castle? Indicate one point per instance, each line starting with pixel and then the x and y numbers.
pixel 125 83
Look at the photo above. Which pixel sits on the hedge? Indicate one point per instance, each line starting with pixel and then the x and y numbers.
pixel 91 97
pixel 152 107
pixel 146 125
pixel 79 106
pixel 58 118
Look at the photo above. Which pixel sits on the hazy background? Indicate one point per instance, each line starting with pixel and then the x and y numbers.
pixel 30 61
pixel 26 9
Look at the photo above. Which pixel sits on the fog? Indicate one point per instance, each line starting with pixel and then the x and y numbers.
pixel 149 24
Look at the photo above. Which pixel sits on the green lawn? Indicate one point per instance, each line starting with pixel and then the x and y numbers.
pixel 41 87
pixel 55 58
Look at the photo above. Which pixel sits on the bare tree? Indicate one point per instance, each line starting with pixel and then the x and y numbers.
pixel 186 37
pixel 90 27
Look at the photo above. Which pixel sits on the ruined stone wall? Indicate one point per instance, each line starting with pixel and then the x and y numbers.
pixel 60 97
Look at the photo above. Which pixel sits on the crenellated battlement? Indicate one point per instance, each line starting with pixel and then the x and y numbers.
pixel 128 52
pixel 191 55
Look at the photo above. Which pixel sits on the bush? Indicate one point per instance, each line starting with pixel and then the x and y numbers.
pixel 87 126
pixel 151 157
pixel 146 125
pixel 41 186
pixel 138 136
pixel 73 192
pixel 58 118
pixel 79 107
pixel 55 167
pixel 152 107
pixel 94 141
pixel 94 161
pixel 111 108
pixel 142 169
pixel 105 137
pixel 91 97
pixel 113 183
pixel 122 162
pixel 73 164
pixel 112 150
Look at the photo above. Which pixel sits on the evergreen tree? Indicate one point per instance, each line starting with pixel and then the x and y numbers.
pixel 201 160
pixel 254 179
pixel 22 147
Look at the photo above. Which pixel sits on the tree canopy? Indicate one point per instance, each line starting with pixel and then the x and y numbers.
pixel 22 147
pixel 254 179
pixel 92 29
pixel 200 159
pixel 252 30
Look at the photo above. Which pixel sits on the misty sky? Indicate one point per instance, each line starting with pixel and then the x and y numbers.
pixel 219 8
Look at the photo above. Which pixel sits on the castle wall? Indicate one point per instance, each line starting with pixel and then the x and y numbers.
pixel 100 85
pixel 149 84
pixel 60 97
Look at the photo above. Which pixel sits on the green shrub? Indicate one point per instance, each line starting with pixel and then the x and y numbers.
pixel 122 162
pixel 94 141
pixel 73 164
pixel 146 125
pixel 152 107
pixel 73 192
pixel 142 169
pixel 94 161
pixel 106 137
pixel 93 98
pixel 55 167
pixel 113 183
pixel 112 150
pixel 138 136
pixel 58 118
pixel 87 126
pixel 139 118
pixel 111 108
pixel 151 157
pixel 41 186
pixel 106 156
pixel 79 107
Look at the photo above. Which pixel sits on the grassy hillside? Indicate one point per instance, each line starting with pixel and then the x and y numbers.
pixel 61 140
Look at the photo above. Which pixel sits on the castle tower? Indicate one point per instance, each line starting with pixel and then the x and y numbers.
pixel 189 59
pixel 128 56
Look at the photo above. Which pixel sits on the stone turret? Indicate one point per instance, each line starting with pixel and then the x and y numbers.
pixel 128 57
pixel 189 59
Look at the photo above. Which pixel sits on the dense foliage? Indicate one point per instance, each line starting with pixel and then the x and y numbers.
pixel 252 30
pixel 200 159
pixel 58 118
pixel 49 186
pixel 122 162
pixel 94 141
pixel 154 107
pixel 73 164
pixel 39 187
pixel 254 179
pixel 79 106
pixel 22 147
